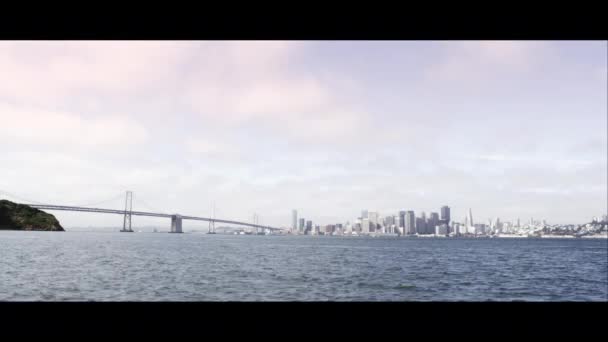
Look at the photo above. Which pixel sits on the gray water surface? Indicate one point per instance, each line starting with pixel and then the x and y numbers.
pixel 104 266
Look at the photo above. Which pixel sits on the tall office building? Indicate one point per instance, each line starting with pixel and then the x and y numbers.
pixel 402 219
pixel 301 225
pixel 433 221
pixel 410 222
pixel 365 226
pixel 308 227
pixel 389 221
pixel 445 214
pixel 471 224
pixel 294 220
pixel 420 225
pixel 373 221
pixel 364 214
pixel 425 223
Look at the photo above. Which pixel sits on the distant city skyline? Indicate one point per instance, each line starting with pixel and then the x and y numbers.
pixel 511 129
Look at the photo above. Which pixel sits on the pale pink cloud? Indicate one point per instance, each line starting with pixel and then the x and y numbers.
pixel 51 72
pixel 35 125
pixel 479 63
pixel 231 82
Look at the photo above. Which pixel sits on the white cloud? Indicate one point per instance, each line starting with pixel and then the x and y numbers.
pixel 51 72
pixel 31 125
pixel 477 63
pixel 262 87
pixel 232 83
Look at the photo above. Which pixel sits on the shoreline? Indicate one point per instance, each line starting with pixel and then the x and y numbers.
pixel 500 236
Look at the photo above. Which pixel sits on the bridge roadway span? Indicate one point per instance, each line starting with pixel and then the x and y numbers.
pixel 174 218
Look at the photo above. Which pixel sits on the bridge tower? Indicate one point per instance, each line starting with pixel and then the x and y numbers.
pixel 255 222
pixel 126 223
pixel 212 222
pixel 176 223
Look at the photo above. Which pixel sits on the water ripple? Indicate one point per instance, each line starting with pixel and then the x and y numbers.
pixel 72 266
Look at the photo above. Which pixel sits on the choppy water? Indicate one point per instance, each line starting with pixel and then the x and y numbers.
pixel 68 266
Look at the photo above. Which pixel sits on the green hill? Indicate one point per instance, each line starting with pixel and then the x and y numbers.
pixel 15 216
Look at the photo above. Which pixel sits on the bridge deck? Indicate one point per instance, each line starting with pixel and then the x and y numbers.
pixel 143 213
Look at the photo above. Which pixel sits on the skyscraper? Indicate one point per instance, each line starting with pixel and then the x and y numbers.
pixel 373 221
pixel 433 221
pixel 308 227
pixel 301 225
pixel 364 214
pixel 402 219
pixel 471 224
pixel 410 222
pixel 425 229
pixel 389 224
pixel 420 225
pixel 445 214
pixel 294 220
pixel 365 226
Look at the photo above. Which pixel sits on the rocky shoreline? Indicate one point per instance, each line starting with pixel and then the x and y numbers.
pixel 14 216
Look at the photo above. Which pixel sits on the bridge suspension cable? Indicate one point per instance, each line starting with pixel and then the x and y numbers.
pixel 139 201
pixel 21 199
pixel 115 198
pixel 26 200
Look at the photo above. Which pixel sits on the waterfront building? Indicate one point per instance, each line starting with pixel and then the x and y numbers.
pixel 348 229
pixel 402 219
pixel 364 214
pixel 445 214
pixel 441 229
pixel 410 222
pixel 432 222
pixel 365 226
pixel 420 225
pixel 302 224
pixel 294 220
pixel 373 221
pixel 456 227
pixel 480 228
pixel 389 220
pixel 308 227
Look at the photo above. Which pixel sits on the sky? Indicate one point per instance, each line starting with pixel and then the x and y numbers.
pixel 507 128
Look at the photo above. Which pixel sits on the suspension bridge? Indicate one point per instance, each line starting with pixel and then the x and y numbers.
pixel 128 213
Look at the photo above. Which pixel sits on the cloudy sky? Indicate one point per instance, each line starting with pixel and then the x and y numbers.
pixel 509 129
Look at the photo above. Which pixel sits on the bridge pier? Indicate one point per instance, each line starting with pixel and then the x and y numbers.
pixel 176 223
